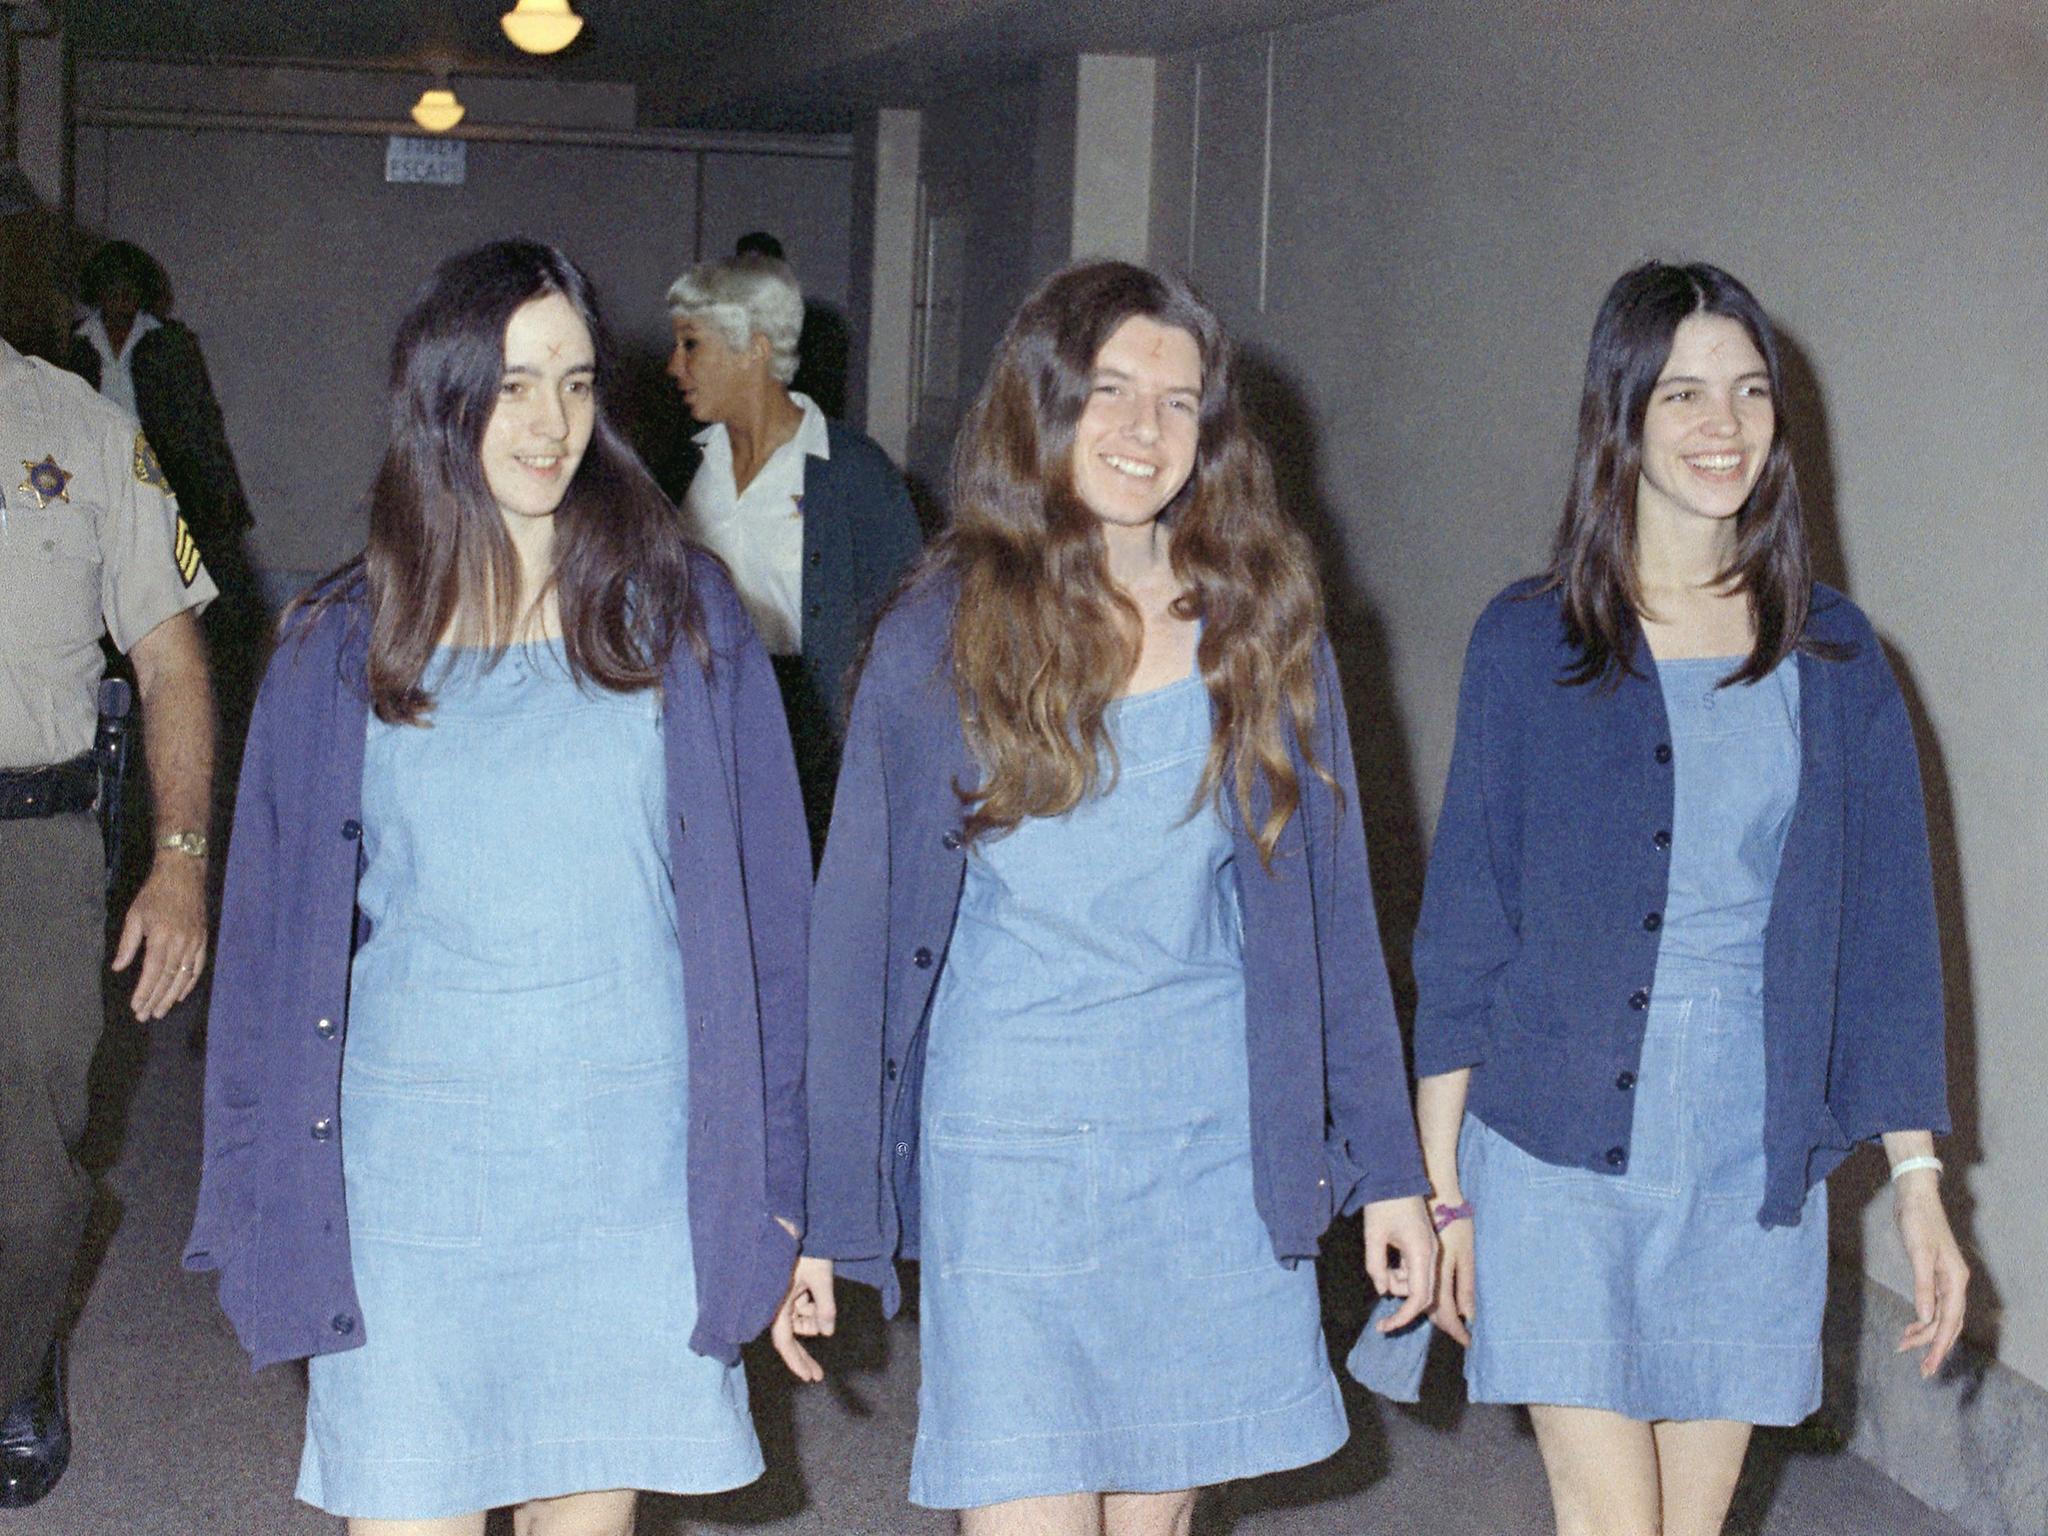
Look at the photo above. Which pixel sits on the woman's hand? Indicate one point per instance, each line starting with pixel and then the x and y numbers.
pixel 808 1311
pixel 1454 1294
pixel 1940 1274
pixel 1400 1256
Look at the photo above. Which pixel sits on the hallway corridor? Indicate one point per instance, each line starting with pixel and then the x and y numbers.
pixel 174 1438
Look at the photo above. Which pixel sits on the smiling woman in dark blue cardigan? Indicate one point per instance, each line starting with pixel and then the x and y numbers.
pixel 1677 953
pixel 1108 1048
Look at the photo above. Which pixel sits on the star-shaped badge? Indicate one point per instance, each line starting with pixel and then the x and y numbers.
pixel 46 481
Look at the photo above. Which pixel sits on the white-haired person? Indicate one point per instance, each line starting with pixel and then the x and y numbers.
pixel 811 517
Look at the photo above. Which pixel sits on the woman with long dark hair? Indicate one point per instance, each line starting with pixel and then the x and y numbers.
pixel 1100 1029
pixel 1677 954
pixel 503 1124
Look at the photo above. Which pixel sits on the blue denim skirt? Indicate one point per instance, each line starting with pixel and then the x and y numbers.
pixel 1654 1293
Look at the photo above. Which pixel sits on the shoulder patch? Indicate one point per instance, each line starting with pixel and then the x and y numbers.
pixel 183 550
pixel 149 472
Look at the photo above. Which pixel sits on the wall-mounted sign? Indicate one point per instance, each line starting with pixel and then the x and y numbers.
pixel 425 162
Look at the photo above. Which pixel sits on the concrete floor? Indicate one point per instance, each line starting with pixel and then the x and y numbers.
pixel 175 1438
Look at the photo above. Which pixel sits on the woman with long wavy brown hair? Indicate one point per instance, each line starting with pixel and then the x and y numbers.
pixel 1099 1028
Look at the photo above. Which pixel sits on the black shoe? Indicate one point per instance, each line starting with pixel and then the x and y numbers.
pixel 35 1439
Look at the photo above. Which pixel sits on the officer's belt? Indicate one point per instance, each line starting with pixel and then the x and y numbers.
pixel 26 793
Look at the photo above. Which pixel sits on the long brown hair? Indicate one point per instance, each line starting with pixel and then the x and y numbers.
pixel 438 546
pixel 1042 639
pixel 1593 561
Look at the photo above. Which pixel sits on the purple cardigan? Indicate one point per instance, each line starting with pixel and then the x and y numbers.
pixel 1331 1124
pixel 271 1217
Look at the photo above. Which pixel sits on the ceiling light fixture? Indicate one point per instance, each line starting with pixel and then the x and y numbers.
pixel 437 110
pixel 541 26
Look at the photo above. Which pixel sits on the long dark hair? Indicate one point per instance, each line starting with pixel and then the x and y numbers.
pixel 438 546
pixel 1593 562
pixel 1042 639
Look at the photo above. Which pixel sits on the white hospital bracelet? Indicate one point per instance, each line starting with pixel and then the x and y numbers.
pixel 1913 1165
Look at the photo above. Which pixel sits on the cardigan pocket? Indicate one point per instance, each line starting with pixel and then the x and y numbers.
pixel 1522 1003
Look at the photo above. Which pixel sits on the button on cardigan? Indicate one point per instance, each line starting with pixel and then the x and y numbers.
pixel 1536 953
pixel 1330 1117
pixel 271 1217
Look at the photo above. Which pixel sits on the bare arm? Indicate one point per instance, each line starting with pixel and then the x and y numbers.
pixel 166 922
pixel 1439 1114
pixel 1940 1275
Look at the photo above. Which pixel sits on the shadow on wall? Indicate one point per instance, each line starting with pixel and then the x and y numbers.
pixel 1280 413
pixel 649 411
pixel 1862 1179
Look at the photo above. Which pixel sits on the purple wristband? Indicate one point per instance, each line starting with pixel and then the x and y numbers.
pixel 1444 1215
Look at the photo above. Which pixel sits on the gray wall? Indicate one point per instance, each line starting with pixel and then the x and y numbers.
pixel 979 159
pixel 292 260
pixel 1452 185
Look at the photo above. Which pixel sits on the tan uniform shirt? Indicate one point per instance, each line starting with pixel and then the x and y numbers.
pixel 90 543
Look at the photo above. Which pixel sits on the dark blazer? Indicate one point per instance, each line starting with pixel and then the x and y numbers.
pixel 175 404
pixel 1331 1124
pixel 860 532
pixel 271 1216
pixel 1537 945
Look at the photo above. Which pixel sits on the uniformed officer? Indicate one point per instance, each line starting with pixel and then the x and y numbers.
pixel 90 542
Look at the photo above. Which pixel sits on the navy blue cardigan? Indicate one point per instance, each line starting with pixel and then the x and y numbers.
pixel 1331 1124
pixel 272 1217
pixel 1537 946
pixel 859 533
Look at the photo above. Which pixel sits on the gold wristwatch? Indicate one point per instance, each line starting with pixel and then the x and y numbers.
pixel 191 844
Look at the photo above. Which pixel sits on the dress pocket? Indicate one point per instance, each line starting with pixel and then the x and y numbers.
pixel 413 1157
pixel 637 1119
pixel 1726 1068
pixel 1011 1198
pixel 1220 1229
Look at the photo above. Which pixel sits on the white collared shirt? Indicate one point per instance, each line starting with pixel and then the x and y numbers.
pixel 116 383
pixel 760 534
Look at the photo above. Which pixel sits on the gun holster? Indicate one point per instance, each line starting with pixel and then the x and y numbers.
pixel 110 744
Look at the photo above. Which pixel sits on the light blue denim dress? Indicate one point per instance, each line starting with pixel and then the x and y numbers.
pixel 1655 1293
pixel 513 1114
pixel 1101 1309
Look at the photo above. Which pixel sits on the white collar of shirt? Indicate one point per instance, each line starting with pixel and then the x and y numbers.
pixel 116 382
pixel 811 439
pixel 759 532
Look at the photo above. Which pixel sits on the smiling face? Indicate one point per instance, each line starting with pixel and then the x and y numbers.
pixel 1134 446
pixel 1709 425
pixel 547 407
pixel 713 375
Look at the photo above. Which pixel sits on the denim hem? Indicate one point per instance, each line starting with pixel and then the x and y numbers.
pixel 1651 1380
pixel 374 1489
pixel 1137 1458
